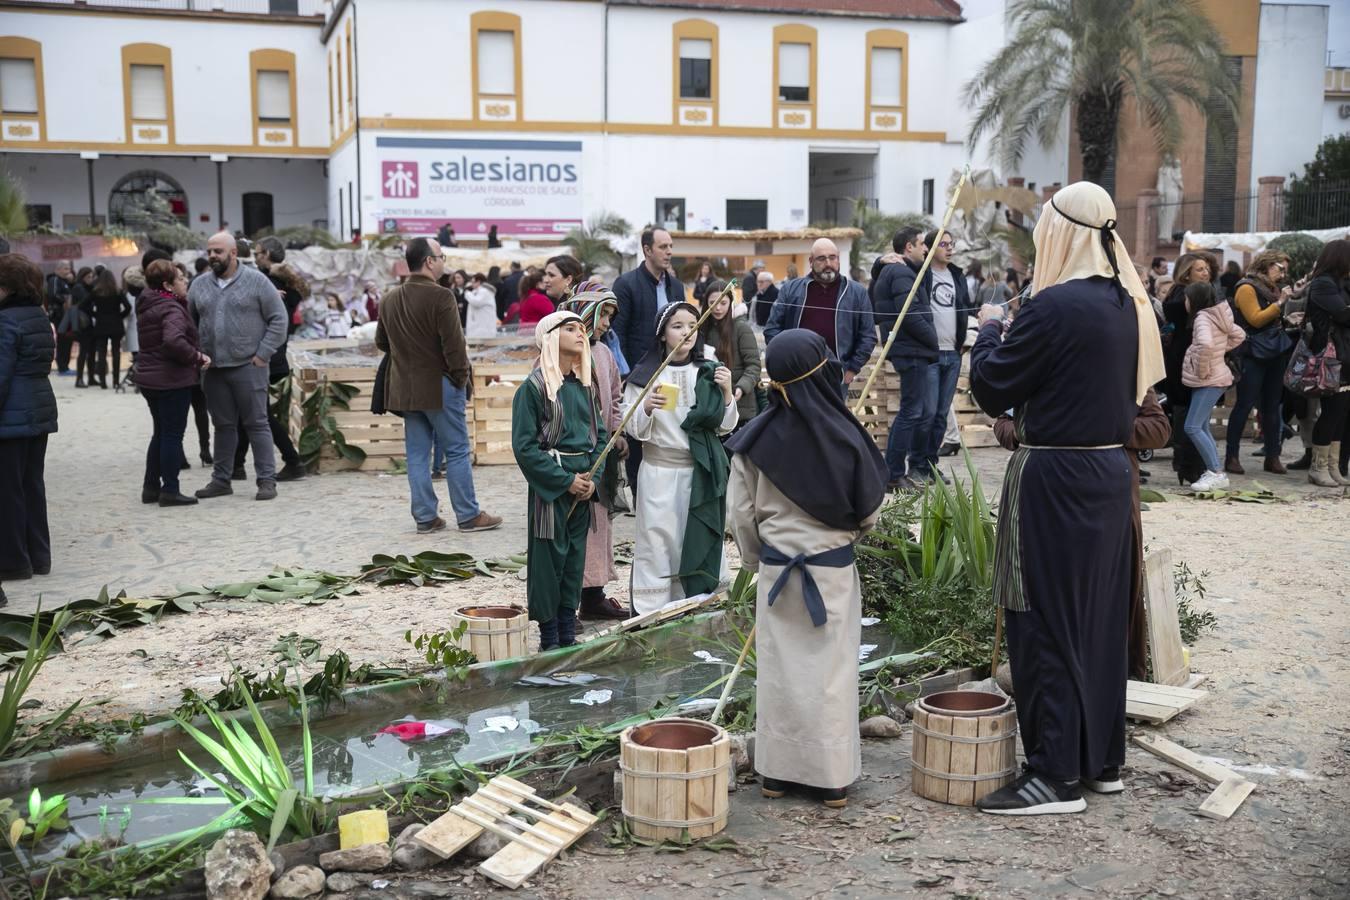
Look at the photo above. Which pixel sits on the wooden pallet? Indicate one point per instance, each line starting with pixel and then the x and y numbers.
pixel 1158 703
pixel 550 829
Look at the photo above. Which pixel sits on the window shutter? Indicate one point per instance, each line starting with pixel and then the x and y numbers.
pixel 497 62
pixel 886 69
pixel 695 48
pixel 148 96
pixel 794 65
pixel 274 96
pixel 18 86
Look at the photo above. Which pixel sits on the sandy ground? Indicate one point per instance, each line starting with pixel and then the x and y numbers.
pixel 1277 662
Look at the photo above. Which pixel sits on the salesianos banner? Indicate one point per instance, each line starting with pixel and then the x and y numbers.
pixel 523 187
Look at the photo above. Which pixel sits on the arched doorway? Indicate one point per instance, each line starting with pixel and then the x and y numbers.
pixel 128 196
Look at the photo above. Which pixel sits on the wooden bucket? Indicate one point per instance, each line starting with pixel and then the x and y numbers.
pixel 494 632
pixel 964 746
pixel 675 779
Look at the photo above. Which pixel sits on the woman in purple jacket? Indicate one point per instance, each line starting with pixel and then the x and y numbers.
pixel 168 366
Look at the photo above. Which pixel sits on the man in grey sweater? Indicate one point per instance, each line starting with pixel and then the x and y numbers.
pixel 242 322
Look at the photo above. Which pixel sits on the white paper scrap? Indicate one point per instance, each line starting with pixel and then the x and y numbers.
pixel 708 657
pixel 591 698
pixel 870 620
pixel 499 725
pixel 865 651
pixel 699 703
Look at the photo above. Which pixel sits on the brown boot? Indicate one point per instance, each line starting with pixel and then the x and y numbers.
pixel 1334 464
pixel 1274 466
pixel 1233 467
pixel 1320 472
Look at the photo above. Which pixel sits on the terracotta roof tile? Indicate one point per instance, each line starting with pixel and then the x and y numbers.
pixel 948 10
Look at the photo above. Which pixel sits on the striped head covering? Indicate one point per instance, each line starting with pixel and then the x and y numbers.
pixel 589 298
pixel 550 363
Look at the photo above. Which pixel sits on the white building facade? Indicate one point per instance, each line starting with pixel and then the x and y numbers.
pixel 530 115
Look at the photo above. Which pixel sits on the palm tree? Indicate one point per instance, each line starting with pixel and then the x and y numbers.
pixel 1090 56
pixel 590 243
pixel 13 213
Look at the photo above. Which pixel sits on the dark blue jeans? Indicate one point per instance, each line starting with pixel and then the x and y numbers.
pixel 947 371
pixel 169 410
pixel 907 445
pixel 1262 386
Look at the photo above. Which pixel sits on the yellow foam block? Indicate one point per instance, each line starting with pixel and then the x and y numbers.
pixel 369 826
pixel 671 392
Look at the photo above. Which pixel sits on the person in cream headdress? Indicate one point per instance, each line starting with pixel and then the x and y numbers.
pixel 557 434
pixel 1074 368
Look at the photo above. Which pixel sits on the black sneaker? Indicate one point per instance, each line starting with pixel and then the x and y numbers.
pixel 214 489
pixel 1107 782
pixel 291 472
pixel 150 495
pixel 176 499
pixel 267 490
pixel 1034 795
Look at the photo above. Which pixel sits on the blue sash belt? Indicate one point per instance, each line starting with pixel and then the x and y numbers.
pixel 837 558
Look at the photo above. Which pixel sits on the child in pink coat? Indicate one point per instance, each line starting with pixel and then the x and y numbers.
pixel 1207 374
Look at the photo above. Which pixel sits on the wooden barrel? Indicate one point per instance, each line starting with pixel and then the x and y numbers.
pixel 493 632
pixel 964 746
pixel 675 779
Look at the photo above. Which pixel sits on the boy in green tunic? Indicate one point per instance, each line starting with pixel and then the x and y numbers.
pixel 557 433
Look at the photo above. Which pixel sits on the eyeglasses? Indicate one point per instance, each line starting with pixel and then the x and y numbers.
pixel 833 259
pixel 438 258
pixel 946 245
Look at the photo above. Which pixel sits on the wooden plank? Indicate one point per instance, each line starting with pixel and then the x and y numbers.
pixel 918 750
pixel 701 796
pixel 672 794
pixel 938 756
pixel 639 794
pixel 962 793
pixel 1152 713
pixel 1182 758
pixel 988 757
pixel 1167 663
pixel 1226 798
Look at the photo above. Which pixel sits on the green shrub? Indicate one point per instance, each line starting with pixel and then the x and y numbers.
pixel 1302 249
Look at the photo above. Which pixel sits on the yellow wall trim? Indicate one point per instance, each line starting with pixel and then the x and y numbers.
pixel 340 141
pixel 164 149
pixel 496 21
pixel 147 55
pixel 694 29
pixel 26 48
pixel 399 124
pixel 273 61
pixel 890 39
pixel 306 21
pixel 785 111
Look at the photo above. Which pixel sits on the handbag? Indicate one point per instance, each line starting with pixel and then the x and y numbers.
pixel 1312 374
pixel 1233 360
pixel 1269 343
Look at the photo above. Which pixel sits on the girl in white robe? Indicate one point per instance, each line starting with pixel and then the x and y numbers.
pixel 678 554
pixel 796 515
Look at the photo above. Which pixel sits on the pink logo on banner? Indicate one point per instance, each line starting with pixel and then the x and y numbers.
pixel 399 179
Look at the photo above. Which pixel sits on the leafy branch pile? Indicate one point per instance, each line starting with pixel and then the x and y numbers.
pixel 927 570
pixel 321 429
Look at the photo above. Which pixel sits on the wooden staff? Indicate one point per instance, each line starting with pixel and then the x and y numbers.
pixel 609 445
pixel 735 673
pixel 895 329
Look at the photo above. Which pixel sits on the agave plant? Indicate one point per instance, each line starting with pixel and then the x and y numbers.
pixel 258 782
pixel 11 698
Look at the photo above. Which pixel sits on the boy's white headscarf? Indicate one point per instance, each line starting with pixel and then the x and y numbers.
pixel 546 336
pixel 1076 238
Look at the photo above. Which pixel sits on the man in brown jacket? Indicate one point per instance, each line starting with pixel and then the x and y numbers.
pixel 428 381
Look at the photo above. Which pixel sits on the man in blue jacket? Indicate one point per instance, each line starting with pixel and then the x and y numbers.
pixel 644 292
pixel 912 355
pixel 832 306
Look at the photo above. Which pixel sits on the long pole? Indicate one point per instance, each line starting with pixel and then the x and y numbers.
pixel 609 444
pixel 923 270
pixel 857 409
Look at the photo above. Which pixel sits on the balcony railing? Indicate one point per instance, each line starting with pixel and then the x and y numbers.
pixel 316 8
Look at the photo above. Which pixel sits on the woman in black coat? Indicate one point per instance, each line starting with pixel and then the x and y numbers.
pixel 80 322
pixel 1328 321
pixel 110 308
pixel 27 416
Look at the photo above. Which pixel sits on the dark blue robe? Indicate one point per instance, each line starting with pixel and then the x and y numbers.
pixel 1062 564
